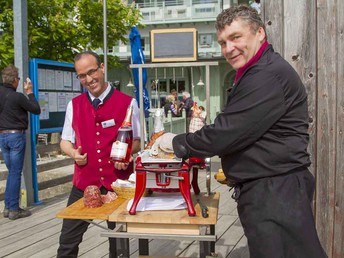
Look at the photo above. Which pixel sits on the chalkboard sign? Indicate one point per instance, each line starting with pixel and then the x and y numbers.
pixel 173 45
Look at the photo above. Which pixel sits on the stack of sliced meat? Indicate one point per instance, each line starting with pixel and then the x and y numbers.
pixel 94 199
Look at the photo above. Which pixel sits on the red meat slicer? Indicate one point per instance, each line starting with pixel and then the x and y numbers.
pixel 166 171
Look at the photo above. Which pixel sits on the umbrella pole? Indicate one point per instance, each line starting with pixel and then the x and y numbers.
pixel 142 115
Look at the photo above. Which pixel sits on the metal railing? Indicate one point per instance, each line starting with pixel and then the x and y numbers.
pixel 179 10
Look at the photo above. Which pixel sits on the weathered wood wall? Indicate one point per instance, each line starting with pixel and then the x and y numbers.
pixel 309 34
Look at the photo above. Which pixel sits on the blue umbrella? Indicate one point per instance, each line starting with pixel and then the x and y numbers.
pixel 137 57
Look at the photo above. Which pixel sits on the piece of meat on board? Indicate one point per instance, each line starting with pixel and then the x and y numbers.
pixel 92 197
pixel 109 197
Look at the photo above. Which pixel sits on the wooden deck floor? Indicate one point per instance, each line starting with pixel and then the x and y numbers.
pixel 37 236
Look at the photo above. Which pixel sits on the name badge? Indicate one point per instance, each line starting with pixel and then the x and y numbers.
pixel 108 123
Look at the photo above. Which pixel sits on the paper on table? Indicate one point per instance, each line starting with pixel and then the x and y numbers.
pixel 123 183
pixel 171 202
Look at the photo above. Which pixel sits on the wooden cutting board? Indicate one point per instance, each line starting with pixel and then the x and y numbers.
pixel 117 211
pixel 78 211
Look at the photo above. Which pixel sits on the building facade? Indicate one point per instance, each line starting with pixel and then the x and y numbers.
pixel 169 14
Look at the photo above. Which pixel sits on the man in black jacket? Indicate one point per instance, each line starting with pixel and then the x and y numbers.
pixel 261 137
pixel 14 107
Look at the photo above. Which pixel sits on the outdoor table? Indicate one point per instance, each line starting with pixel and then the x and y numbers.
pixel 144 225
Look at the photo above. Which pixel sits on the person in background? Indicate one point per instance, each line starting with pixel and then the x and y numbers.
pixel 197 118
pixel 14 108
pixel 174 93
pixel 171 105
pixel 91 124
pixel 187 104
pixel 262 138
pixel 203 114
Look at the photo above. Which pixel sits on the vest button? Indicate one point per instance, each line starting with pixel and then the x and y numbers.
pixel 97 133
pixel 102 178
pixel 98 142
pixel 98 151
pixel 99 160
pixel 97 124
pixel 100 169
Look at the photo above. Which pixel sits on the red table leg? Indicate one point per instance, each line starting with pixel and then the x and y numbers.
pixel 140 189
pixel 184 187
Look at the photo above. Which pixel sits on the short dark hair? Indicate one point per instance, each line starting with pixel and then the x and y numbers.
pixel 9 74
pixel 243 12
pixel 95 55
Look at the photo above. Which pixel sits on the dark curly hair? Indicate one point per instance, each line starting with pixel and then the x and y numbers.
pixel 243 12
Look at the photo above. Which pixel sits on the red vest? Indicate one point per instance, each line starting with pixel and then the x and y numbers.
pixel 96 141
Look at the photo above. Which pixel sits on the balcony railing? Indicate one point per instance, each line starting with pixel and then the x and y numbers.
pixel 188 10
pixel 124 52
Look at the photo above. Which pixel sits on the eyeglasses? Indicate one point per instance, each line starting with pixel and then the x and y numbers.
pixel 91 73
pixel 18 78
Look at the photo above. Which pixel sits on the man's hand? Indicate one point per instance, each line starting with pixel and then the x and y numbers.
pixel 123 166
pixel 79 158
pixel 28 86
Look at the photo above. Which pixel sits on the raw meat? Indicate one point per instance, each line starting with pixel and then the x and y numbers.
pixel 92 197
pixel 109 197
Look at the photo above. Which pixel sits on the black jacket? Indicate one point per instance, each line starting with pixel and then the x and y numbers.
pixel 262 131
pixel 14 110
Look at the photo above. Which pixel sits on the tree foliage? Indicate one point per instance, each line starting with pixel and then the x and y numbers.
pixel 58 29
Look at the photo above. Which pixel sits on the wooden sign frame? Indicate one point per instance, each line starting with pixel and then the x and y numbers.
pixel 173 45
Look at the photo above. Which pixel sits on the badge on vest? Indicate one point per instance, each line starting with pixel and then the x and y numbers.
pixel 108 123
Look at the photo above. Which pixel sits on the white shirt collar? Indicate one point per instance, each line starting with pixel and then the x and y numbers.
pixel 103 95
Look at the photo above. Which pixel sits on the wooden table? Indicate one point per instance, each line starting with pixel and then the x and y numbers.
pixel 171 224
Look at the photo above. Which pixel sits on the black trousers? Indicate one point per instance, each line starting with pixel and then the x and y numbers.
pixel 277 217
pixel 73 230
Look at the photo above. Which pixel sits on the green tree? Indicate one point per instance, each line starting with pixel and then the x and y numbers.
pixel 58 29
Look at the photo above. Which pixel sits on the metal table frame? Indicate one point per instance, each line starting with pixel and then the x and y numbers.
pixel 206 240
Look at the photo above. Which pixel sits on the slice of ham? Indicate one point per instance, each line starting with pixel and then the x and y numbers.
pixel 109 197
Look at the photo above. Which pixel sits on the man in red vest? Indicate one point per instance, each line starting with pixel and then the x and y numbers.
pixel 92 121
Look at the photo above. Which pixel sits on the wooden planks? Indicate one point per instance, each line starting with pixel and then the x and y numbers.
pixel 37 236
pixel 326 122
pixel 310 35
pixel 338 238
pixel 272 13
pixel 300 52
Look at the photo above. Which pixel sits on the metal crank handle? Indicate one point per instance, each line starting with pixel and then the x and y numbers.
pixel 176 177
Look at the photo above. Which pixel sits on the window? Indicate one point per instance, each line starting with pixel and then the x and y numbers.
pixel 143 44
pixel 205 40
